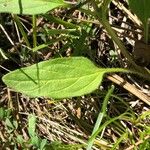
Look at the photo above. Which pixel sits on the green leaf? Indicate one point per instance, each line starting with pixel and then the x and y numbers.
pixel 35 141
pixel 43 144
pixel 31 125
pixel 28 6
pixel 20 139
pixel 2 113
pixel 52 32
pixel 9 123
pixel 141 9
pixel 56 145
pixel 56 78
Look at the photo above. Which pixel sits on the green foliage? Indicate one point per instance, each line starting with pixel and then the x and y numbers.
pixel 100 117
pixel 52 32
pixel 60 146
pixel 58 78
pixel 141 9
pixel 4 113
pixel 31 125
pixel 69 77
pixel 34 139
pixel 29 7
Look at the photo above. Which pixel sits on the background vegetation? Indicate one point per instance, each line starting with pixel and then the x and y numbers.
pixel 116 115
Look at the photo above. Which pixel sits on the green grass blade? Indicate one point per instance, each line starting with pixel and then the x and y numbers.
pixel 34 30
pixel 66 24
pixel 24 34
pixel 100 116
pixel 52 41
pixel 119 141
pixel 105 125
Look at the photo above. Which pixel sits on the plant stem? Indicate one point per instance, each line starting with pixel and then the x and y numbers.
pixel 57 20
pixel 146 32
pixel 101 16
pixel 107 26
pixel 100 13
pixel 141 74
pixel 22 30
pixel 34 31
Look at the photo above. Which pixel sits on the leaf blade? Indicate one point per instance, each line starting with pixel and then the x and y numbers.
pixel 32 125
pixel 57 78
pixel 29 7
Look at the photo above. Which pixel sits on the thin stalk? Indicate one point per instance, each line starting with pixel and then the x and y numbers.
pixel 25 36
pixel 113 35
pixel 124 136
pixel 48 43
pixel 34 31
pixel 100 13
pixel 146 32
pixel 140 73
pixel 105 5
pixel 66 24
pixel 77 6
pixel 100 116
pixel 105 125
pixel 113 70
pixel 101 16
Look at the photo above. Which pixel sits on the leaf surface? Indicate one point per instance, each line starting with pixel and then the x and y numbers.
pixel 32 125
pixel 28 6
pixel 56 78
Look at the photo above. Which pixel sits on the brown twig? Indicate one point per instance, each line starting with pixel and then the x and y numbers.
pixel 129 87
